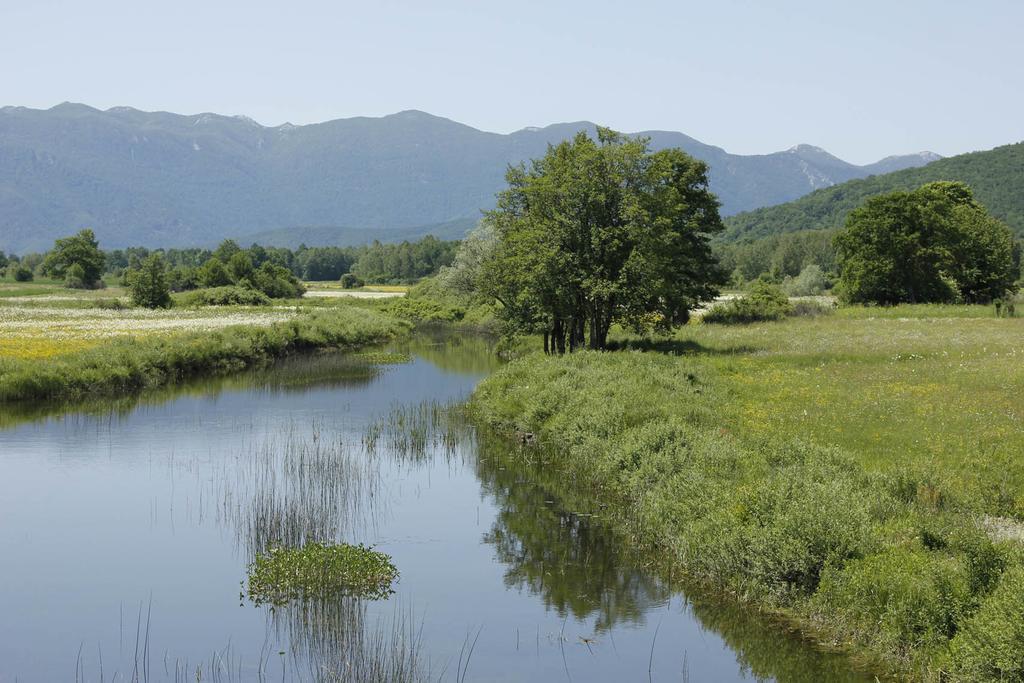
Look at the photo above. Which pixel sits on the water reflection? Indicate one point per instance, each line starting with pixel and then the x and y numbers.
pixel 490 543
pixel 554 549
pixel 548 535
pixel 302 484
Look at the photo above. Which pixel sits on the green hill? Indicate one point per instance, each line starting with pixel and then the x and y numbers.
pixel 997 177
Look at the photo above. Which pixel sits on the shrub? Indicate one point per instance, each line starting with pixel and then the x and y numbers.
pixel 424 310
pixel 351 281
pixel 810 282
pixel 23 274
pixel 763 302
pixel 899 599
pixel 74 277
pixel 990 646
pixel 277 282
pixel 811 308
pixel 109 304
pixel 226 296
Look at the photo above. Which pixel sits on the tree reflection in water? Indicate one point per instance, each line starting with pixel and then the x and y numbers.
pixel 549 535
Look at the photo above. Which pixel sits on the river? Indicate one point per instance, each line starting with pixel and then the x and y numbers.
pixel 126 528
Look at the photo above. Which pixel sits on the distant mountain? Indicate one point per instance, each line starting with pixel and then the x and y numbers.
pixel 997 177
pixel 166 179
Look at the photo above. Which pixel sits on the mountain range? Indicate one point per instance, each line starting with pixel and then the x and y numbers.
pixel 163 179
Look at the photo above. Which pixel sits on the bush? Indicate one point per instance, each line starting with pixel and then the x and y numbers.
pixel 990 646
pixel 810 282
pixel 74 277
pixel 899 599
pixel 226 296
pixel 350 281
pixel 275 281
pixel 811 308
pixel 23 274
pixel 109 304
pixel 764 302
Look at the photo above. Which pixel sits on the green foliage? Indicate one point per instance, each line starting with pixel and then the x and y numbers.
pixel 810 282
pixel 990 646
pixel 602 232
pixel 76 259
pixel 405 262
pixel 934 244
pixel 74 277
pixel 320 570
pixel 778 256
pixel 213 273
pixel 277 282
pixel 23 273
pixel 226 296
pixel 900 600
pixel 995 176
pixel 239 266
pixel 763 302
pixel 351 281
pixel 814 467
pixel 149 286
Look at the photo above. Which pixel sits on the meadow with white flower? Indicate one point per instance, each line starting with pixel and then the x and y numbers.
pixel 59 343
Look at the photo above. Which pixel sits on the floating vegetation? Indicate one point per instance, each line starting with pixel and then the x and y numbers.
pixel 319 570
pixel 384 357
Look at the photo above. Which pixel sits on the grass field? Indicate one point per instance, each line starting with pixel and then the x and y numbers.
pixel 859 473
pixel 61 343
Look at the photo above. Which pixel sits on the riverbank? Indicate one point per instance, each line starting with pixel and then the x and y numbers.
pixel 855 474
pixel 58 358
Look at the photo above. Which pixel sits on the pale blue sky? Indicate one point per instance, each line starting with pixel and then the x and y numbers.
pixel 863 79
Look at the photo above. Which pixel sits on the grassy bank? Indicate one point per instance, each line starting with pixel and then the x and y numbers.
pixel 163 348
pixel 859 474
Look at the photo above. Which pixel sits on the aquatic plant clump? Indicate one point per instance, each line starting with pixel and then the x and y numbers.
pixel 320 570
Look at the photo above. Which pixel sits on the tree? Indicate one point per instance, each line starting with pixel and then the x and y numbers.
pixel 932 244
pixel 81 250
pixel 149 284
pixel 213 273
pixel 240 266
pixel 598 232
pixel 225 250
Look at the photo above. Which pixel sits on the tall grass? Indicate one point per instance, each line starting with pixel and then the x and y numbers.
pixel 710 460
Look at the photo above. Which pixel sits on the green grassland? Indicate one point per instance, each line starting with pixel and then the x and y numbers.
pixel 859 474
pixel 65 344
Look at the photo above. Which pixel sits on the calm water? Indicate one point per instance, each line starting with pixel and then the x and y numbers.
pixel 125 534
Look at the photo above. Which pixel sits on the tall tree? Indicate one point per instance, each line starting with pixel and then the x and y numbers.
pixel 602 231
pixel 149 284
pixel 80 251
pixel 933 244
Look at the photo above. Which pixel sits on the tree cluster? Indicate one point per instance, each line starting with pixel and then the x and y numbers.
pixel 600 232
pixel 932 244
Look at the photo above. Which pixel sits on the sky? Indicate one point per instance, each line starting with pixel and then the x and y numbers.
pixel 861 79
